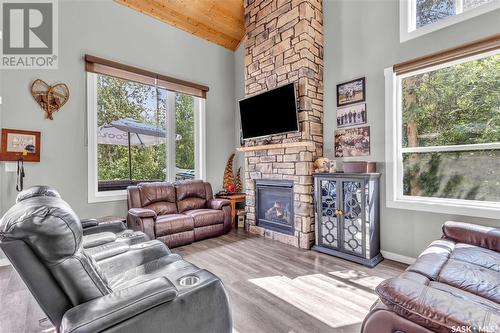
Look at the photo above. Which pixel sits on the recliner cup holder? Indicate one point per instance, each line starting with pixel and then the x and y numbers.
pixel 189 280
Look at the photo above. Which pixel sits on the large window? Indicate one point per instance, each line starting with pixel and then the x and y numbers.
pixel 131 132
pixel 444 145
pixel 140 130
pixel 419 17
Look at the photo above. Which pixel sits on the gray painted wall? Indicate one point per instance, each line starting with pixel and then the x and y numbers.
pixel 109 30
pixel 361 39
pixel 239 93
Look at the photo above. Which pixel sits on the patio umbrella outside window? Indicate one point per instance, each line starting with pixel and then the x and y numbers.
pixel 130 132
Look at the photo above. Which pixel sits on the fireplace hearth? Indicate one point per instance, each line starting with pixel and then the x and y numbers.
pixel 274 206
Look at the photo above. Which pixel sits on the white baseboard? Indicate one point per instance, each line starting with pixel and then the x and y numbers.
pixel 398 257
pixel 4 262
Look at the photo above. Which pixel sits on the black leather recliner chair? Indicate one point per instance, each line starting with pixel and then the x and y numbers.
pixel 145 289
pixel 100 240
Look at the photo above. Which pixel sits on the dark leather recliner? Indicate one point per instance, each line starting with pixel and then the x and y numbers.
pixel 177 213
pixel 453 286
pixel 100 240
pixel 145 289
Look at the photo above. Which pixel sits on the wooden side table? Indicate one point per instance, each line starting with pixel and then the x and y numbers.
pixel 234 199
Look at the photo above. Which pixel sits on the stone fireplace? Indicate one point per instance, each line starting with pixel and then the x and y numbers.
pixel 274 205
pixel 284 44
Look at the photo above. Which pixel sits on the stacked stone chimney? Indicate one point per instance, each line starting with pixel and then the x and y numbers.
pixel 284 44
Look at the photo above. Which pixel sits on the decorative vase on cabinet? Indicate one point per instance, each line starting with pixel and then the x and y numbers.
pixel 347 216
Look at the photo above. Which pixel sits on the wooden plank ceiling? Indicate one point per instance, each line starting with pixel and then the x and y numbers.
pixel 218 21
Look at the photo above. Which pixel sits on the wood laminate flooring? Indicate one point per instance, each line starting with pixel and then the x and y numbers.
pixel 272 287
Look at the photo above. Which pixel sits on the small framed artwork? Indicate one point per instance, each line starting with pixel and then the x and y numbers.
pixel 351 92
pixel 351 115
pixel 352 142
pixel 20 144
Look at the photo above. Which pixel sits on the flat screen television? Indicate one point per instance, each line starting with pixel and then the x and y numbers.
pixel 269 113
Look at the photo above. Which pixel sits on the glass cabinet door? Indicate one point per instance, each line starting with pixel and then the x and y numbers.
pixel 329 226
pixel 352 212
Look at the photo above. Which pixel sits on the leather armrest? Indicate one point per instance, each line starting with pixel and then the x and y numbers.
pixel 217 203
pixel 142 212
pixel 98 239
pixel 433 308
pixel 114 227
pixel 135 256
pixel 109 310
pixel 141 219
pixel 86 223
pixel 107 250
pixel 381 319
pixel 487 237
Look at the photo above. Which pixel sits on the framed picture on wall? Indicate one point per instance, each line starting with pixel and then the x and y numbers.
pixel 352 142
pixel 20 144
pixel 351 92
pixel 351 115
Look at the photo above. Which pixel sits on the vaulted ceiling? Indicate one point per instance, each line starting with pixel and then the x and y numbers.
pixel 218 21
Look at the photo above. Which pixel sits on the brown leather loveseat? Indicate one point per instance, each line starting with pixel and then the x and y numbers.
pixel 453 286
pixel 177 213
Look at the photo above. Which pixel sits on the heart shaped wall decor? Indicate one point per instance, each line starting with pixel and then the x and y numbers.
pixel 50 98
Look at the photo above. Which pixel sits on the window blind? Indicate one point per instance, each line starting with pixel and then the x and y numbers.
pixel 467 50
pixel 107 67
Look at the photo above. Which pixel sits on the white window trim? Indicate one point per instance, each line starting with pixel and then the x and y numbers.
pixel 171 128
pixel 394 157
pixel 94 195
pixel 200 141
pixel 407 18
